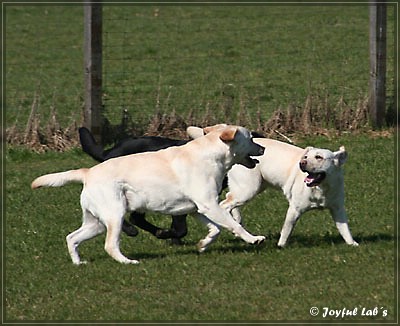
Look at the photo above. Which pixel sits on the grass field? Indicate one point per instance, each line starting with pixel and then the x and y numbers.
pixel 231 281
pixel 219 60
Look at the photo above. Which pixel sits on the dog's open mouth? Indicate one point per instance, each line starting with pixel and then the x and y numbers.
pixel 249 162
pixel 314 179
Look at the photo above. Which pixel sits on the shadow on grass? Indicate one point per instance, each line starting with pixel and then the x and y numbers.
pixel 146 255
pixel 190 248
pixel 238 245
pixel 319 240
pixel 380 237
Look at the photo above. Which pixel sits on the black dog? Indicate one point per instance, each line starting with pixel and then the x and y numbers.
pixel 137 145
pixel 131 146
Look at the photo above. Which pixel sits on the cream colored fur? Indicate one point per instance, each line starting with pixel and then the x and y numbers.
pixel 175 181
pixel 288 168
pixel 280 167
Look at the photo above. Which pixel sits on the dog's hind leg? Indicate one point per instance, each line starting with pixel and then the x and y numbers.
pixel 244 184
pixel 179 227
pixel 340 218
pixel 177 231
pixel 113 222
pixel 91 227
pixel 232 206
pixel 140 221
pixel 236 215
pixel 129 229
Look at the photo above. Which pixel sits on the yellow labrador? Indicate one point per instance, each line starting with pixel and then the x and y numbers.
pixel 309 178
pixel 177 180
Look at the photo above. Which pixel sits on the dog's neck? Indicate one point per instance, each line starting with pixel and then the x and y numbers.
pixel 220 154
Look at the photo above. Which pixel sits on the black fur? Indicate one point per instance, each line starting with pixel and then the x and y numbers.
pixel 131 146
pixel 138 145
pixel 126 146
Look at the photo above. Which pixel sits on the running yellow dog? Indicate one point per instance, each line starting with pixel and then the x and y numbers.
pixel 177 180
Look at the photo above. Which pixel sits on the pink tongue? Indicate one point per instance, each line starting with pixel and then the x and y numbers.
pixel 308 179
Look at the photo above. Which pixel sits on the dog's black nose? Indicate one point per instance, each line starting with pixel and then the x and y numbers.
pixel 303 164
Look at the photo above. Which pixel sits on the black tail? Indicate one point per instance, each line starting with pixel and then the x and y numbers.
pixel 89 145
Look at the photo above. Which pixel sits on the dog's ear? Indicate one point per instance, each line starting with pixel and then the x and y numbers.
pixel 306 150
pixel 228 134
pixel 214 128
pixel 207 130
pixel 340 156
pixel 195 132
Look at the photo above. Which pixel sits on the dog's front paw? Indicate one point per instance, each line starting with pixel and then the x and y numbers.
pixel 128 261
pixel 281 244
pixel 259 239
pixel 165 234
pixel 176 242
pixel 201 246
pixel 354 244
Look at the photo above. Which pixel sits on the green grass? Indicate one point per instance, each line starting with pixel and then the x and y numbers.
pixel 216 59
pixel 224 59
pixel 231 281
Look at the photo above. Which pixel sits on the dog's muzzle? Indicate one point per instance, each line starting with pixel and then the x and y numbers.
pixel 261 150
pixel 249 161
pixel 313 178
pixel 258 151
pixel 303 165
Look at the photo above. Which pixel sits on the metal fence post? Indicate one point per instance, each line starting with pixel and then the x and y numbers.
pixel 377 87
pixel 93 67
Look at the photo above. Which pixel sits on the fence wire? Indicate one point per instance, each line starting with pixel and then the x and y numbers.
pixel 204 59
pixel 43 52
pixel 234 59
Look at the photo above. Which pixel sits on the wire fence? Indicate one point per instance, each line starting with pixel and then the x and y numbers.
pixel 43 54
pixel 190 60
pixel 232 60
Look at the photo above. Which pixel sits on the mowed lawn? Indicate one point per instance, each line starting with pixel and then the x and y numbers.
pixel 216 60
pixel 232 281
pixel 220 60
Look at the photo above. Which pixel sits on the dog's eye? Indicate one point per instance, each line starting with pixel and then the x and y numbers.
pixel 319 157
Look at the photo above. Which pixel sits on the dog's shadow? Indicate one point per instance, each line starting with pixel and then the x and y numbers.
pixel 318 240
pixel 237 245
pixel 146 255
pixel 189 247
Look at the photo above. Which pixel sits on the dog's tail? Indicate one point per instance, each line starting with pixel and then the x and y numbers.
pixel 59 179
pixel 90 146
